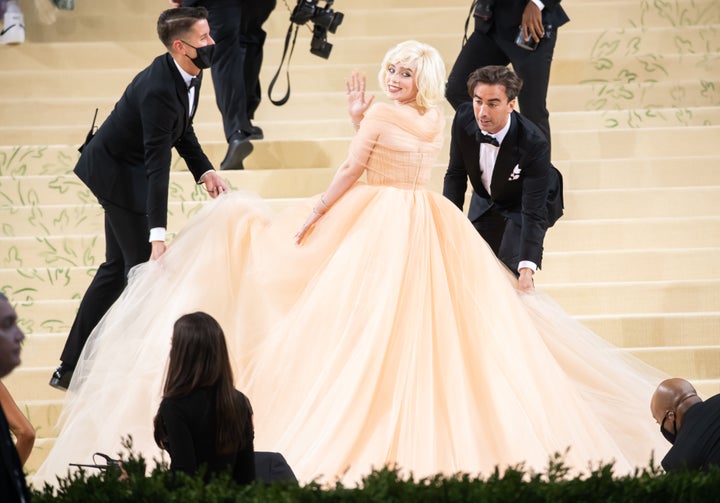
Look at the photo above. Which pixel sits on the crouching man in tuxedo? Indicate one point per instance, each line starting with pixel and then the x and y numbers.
pixel 507 159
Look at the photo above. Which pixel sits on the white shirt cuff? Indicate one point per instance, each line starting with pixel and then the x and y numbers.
pixel 157 234
pixel 540 5
pixel 529 264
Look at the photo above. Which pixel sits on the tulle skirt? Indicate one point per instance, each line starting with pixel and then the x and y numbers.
pixel 392 335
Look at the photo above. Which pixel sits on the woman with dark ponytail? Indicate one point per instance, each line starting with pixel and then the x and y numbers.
pixel 202 419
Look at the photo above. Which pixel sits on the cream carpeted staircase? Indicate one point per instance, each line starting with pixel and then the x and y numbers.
pixel 635 111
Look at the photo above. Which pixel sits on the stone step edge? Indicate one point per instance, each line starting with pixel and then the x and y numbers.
pixel 693 314
pixel 648 349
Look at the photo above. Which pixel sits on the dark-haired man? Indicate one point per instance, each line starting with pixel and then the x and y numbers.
pixel 507 159
pixel 127 166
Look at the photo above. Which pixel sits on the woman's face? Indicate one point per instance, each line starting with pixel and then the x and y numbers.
pixel 400 83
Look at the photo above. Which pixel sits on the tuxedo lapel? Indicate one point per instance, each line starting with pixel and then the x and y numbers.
pixel 181 91
pixel 472 128
pixel 196 99
pixel 507 157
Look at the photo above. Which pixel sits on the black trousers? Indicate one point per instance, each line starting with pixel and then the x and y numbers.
pixel 497 47
pixel 126 245
pixel 237 30
pixel 503 236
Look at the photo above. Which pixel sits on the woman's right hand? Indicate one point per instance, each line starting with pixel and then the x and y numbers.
pixel 358 103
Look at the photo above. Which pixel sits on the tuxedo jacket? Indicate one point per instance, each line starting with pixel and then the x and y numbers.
pixel 520 180
pixel 127 162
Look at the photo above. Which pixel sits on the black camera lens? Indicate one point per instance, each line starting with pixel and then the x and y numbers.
pixel 319 46
pixel 329 19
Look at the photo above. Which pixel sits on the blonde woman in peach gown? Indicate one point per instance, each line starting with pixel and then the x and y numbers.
pixel 379 329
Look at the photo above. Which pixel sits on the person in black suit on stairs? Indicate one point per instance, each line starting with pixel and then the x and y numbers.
pixel 494 41
pixel 236 26
pixel 126 165
pixel 507 159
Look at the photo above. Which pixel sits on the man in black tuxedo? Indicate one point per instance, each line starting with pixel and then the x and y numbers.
pixel 507 159
pixel 127 166
pixel 690 424
pixel 493 42
pixel 236 27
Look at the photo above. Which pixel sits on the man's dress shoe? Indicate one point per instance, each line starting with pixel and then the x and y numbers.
pixel 256 133
pixel 61 378
pixel 239 148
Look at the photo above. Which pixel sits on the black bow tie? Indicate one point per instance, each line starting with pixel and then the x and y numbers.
pixel 194 82
pixel 486 138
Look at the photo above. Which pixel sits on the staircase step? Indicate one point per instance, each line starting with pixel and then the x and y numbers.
pixel 647 172
pixel 633 233
pixel 630 265
pixel 632 297
pixel 656 330
pixel 42 349
pixel 30 384
pixel 697 362
pixel 642 203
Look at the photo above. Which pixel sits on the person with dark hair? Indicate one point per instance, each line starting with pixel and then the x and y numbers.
pixel 203 420
pixel 13 487
pixel 507 160
pixel 690 424
pixel 236 27
pixel 126 165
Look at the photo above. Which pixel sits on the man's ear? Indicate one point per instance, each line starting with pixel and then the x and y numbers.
pixel 512 103
pixel 177 46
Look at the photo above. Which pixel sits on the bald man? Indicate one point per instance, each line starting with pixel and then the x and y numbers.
pixel 691 425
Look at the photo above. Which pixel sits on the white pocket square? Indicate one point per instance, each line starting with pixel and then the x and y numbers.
pixel 515 173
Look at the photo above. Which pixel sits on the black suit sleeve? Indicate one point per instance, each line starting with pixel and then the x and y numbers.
pixel 455 182
pixel 534 197
pixel 158 123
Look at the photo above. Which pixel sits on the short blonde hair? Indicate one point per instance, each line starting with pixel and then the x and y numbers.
pixel 429 70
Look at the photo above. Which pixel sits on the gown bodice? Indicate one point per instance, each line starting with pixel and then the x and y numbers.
pixel 399 145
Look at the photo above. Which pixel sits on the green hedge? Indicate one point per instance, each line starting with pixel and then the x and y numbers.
pixel 515 484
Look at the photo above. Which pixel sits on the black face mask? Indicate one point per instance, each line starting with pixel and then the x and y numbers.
pixel 204 56
pixel 670 437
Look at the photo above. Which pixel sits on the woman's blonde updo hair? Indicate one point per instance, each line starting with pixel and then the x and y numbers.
pixel 429 70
